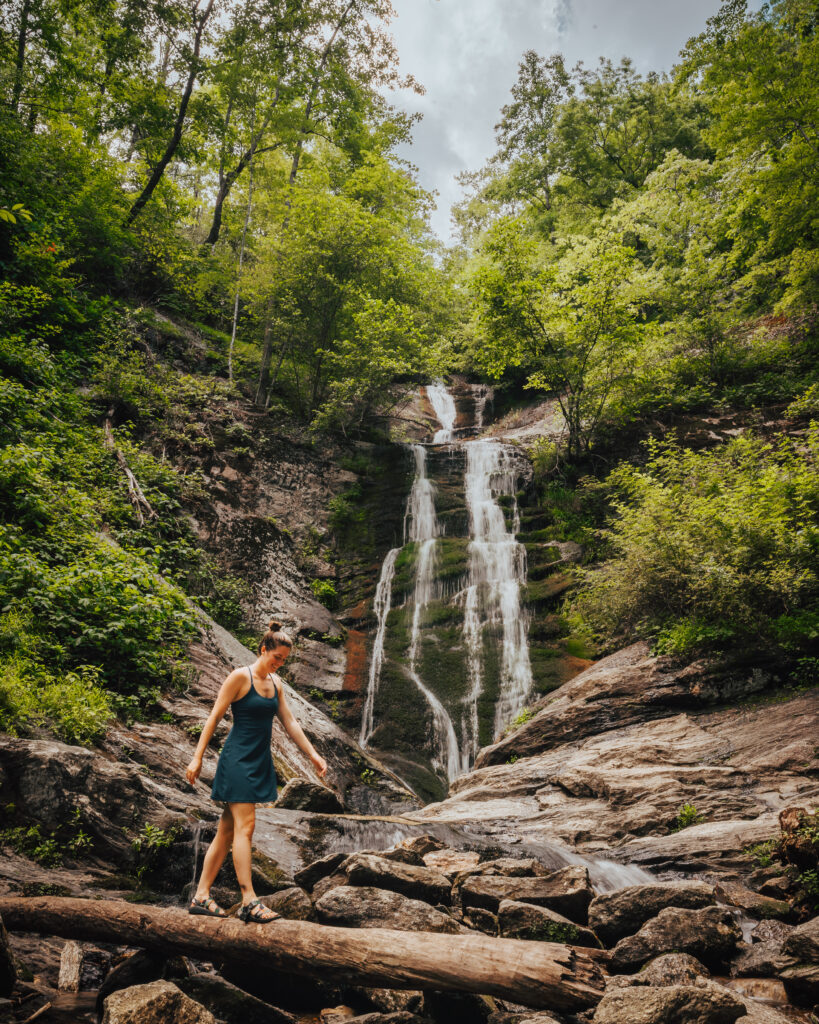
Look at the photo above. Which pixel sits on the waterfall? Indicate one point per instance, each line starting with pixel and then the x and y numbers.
pixel 420 527
pixel 443 404
pixel 497 568
pixel 423 530
pixel 383 601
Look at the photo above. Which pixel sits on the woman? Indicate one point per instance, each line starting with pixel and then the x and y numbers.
pixel 245 774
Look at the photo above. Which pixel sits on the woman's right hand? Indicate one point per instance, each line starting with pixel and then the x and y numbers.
pixel 193 770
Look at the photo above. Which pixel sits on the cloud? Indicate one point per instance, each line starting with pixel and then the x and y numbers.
pixel 466 54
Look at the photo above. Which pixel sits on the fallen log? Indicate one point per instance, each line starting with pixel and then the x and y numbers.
pixel 545 975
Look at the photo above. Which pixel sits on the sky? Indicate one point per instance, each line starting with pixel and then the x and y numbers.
pixel 466 53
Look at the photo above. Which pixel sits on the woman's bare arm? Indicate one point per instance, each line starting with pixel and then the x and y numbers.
pixel 295 731
pixel 224 698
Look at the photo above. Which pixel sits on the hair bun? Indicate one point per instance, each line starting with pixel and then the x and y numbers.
pixel 274 627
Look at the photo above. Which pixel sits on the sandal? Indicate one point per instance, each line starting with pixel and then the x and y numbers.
pixel 257 911
pixel 208 907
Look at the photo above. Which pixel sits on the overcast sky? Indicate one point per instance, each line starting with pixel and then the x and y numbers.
pixel 466 54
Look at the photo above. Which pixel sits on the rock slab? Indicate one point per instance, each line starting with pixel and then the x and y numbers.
pixel 158 1002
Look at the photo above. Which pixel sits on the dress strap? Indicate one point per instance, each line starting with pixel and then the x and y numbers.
pixel 250 673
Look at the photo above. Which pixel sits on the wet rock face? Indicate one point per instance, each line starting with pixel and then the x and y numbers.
pixel 630 687
pixel 711 935
pixel 623 788
pixel 674 1004
pixel 155 1003
pixel 617 914
pixel 367 907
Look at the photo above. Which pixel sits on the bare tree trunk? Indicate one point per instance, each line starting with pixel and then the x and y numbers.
pixel 176 136
pixel 538 974
pixel 267 352
pixel 241 255
pixel 227 181
pixel 20 61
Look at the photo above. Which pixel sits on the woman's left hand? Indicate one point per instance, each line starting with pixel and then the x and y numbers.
pixel 319 764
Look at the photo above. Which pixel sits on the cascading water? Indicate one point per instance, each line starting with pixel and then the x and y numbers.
pixel 383 601
pixel 497 568
pixel 420 527
pixel 491 599
pixel 424 530
pixel 443 404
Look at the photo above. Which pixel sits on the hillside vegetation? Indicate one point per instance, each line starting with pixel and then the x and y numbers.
pixel 201 208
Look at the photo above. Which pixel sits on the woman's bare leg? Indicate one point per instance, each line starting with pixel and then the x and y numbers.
pixel 216 853
pixel 244 819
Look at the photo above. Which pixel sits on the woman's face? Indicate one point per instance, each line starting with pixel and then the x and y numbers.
pixel 276 657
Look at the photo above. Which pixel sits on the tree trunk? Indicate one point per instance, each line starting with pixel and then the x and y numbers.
pixel 176 136
pixel 20 62
pixel 264 369
pixel 227 181
pixel 538 974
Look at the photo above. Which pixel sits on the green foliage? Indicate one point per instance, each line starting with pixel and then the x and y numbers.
pixel 325 592
pixel 148 846
pixel 51 849
pixel 687 816
pixel 712 545
pixel 521 718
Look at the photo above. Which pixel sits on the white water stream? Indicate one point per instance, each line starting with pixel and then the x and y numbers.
pixel 497 569
pixel 491 599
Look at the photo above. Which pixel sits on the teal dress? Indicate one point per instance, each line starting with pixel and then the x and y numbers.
pixel 245 772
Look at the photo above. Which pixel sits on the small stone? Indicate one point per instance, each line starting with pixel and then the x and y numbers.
pixel 672 969
pixel 294 904
pixel 482 920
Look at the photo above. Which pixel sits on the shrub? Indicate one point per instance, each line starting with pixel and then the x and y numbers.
pixel 687 816
pixel 324 591
pixel 712 545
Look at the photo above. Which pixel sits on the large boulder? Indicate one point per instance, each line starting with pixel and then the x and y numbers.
pixel 539 924
pixel 367 907
pixel 301 795
pixel 801 976
pixel 419 883
pixel 567 891
pixel 711 935
pixel 764 958
pixel 673 1004
pixel 614 915
pixel 158 1002
pixel 803 942
pixel 230 1003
